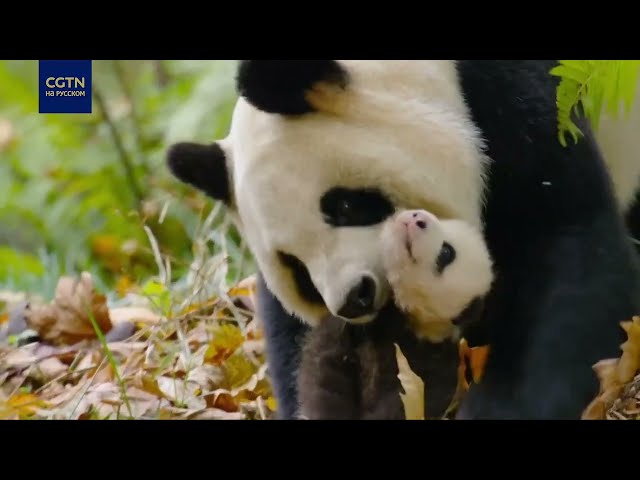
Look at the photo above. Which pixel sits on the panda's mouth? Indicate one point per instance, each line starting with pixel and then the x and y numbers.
pixel 407 245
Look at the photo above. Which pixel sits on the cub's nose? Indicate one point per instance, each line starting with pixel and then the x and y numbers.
pixel 415 219
pixel 360 300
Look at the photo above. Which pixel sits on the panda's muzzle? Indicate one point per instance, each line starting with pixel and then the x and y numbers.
pixel 360 300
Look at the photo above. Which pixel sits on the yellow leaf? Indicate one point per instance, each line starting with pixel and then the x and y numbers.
pixel 630 360
pixel 25 404
pixel 125 285
pixel 239 292
pixel 413 398
pixel 272 404
pixel 226 340
pixel 238 370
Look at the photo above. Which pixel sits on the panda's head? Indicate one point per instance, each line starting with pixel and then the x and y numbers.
pixel 437 269
pixel 320 154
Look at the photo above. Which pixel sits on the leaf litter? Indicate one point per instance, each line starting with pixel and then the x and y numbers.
pixel 205 361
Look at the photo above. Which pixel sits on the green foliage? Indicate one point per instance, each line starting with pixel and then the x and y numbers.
pixel 588 87
pixel 67 191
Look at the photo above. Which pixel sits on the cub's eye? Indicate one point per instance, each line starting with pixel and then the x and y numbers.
pixel 446 256
pixel 344 207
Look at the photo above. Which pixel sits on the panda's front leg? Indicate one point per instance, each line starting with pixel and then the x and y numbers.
pixel 284 335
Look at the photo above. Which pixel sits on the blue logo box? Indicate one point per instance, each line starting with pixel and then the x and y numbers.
pixel 65 86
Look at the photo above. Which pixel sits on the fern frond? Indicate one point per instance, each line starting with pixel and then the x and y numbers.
pixel 588 86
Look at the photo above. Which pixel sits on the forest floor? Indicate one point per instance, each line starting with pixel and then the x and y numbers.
pixel 76 357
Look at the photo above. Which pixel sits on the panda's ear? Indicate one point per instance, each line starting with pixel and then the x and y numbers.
pixel 281 86
pixel 203 166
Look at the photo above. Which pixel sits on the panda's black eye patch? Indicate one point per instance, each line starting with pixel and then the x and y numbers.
pixel 446 257
pixel 361 207
pixel 301 277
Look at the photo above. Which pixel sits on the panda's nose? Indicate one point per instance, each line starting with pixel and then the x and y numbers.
pixel 360 300
pixel 414 218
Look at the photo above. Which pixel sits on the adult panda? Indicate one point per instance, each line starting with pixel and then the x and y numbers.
pixel 321 152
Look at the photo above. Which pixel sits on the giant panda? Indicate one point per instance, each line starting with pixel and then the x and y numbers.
pixel 321 152
pixel 439 272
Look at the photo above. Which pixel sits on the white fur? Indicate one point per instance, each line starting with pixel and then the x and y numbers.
pixel 405 130
pixel 619 139
pixel 434 299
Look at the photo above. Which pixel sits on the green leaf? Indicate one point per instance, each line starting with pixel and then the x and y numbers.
pixel 591 86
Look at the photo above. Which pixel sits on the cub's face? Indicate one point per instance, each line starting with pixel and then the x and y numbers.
pixel 320 154
pixel 436 268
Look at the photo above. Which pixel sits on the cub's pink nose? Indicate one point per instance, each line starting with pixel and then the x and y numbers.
pixel 415 219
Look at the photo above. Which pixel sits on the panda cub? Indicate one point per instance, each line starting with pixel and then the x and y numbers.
pixel 439 271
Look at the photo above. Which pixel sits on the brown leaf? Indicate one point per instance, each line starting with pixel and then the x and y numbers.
pixel 614 373
pixel 223 401
pixel 66 320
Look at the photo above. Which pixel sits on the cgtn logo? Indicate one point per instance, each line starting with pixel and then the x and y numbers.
pixel 65 86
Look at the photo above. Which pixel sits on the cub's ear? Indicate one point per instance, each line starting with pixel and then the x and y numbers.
pixel 281 86
pixel 202 166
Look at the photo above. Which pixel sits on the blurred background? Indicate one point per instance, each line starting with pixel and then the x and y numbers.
pixel 92 192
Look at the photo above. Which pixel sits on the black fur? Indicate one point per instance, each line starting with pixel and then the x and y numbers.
pixel 284 336
pixel 203 166
pixel 301 277
pixel 566 272
pixel 359 207
pixel 280 86
pixel 350 372
pixel 632 218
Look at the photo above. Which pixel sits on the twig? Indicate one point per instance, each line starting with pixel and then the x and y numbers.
pixel 124 156
pixel 135 120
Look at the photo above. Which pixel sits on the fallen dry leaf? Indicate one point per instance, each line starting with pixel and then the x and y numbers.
pixel 181 393
pixel 245 293
pixel 50 368
pixel 226 340
pixel 20 406
pixel 216 414
pixel 133 315
pixel 413 386
pixel 615 373
pixel 67 319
